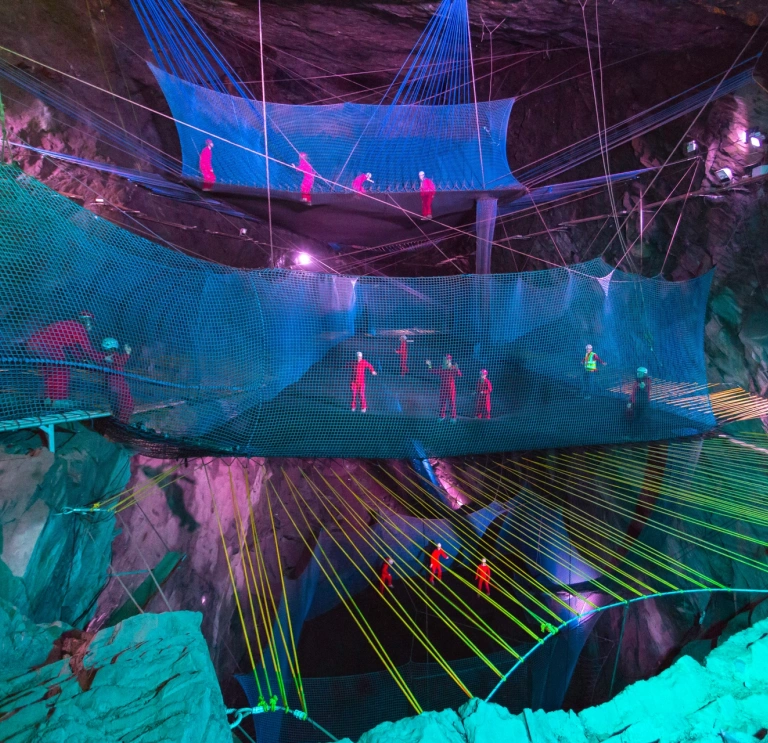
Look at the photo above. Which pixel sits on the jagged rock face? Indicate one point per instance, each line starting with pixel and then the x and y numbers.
pixel 150 678
pixel 52 565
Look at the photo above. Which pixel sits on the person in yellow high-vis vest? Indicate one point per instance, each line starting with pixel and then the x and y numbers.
pixel 591 360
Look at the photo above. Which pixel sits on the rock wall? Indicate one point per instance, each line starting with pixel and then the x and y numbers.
pixel 53 564
pixel 723 699
pixel 148 679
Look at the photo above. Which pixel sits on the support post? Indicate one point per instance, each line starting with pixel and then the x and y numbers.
pixel 485 225
pixel 47 429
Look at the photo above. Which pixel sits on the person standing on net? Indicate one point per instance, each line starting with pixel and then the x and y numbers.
pixel 483 401
pixel 358 382
pixel 447 375
pixel 58 342
pixel 641 395
pixel 402 352
pixel 483 577
pixel 427 189
pixel 206 165
pixel 385 577
pixel 122 400
pixel 358 185
pixel 590 362
pixel 308 180
pixel 435 568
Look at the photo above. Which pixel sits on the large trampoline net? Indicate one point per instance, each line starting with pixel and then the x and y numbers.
pixel 265 362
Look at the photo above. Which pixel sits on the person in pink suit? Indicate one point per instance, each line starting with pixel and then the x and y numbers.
pixel 358 185
pixel 447 375
pixel 358 382
pixel 308 180
pixel 427 189
pixel 435 568
pixel 402 352
pixel 58 341
pixel 483 400
pixel 206 165
pixel 118 386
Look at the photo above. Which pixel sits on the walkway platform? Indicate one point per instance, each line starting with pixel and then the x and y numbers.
pixel 46 423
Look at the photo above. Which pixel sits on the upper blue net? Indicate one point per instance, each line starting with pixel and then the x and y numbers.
pixel 393 143
pixel 264 362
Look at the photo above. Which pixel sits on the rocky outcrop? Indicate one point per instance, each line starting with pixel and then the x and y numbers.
pixel 725 698
pixel 148 679
pixel 54 563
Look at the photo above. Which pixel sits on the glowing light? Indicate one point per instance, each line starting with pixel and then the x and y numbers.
pixel 743 136
pixel 755 140
pixel 304 259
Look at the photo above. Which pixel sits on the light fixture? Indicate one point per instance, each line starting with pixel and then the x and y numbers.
pixel 756 138
pixel 743 136
pixel 99 200
pixel 304 259
pixel 691 147
pixel 243 232
pixel 724 175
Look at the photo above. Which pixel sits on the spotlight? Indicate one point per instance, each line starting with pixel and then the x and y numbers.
pixel 743 136
pixel 724 175
pixel 691 147
pixel 756 138
pixel 304 259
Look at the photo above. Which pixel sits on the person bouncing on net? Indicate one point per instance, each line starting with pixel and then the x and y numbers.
pixel 435 568
pixel 122 400
pixel 427 189
pixel 308 180
pixel 358 382
pixel 206 165
pixel 483 577
pixel 641 394
pixel 402 352
pixel 358 185
pixel 483 396
pixel 447 374
pixel 590 362
pixel 385 577
pixel 62 341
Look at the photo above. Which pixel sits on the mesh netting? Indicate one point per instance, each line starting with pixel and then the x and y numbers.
pixel 264 362
pixel 341 141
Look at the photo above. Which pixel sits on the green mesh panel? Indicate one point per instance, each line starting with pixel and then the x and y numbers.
pixel 261 362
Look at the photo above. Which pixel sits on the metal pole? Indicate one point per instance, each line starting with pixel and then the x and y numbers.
pixel 618 651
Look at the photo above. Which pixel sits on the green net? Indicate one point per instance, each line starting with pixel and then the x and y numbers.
pixel 268 362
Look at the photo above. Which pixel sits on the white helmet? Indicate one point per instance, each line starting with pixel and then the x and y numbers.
pixel 110 344
pixel 422 174
pixel 642 370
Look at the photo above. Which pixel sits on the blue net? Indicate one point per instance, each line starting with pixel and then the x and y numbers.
pixel 265 362
pixel 393 143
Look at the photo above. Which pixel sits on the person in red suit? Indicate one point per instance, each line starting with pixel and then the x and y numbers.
pixel 358 382
pixel 308 180
pixel 427 189
pixel 358 185
pixel 206 165
pixel 118 385
pixel 402 352
pixel 385 578
pixel 57 342
pixel 484 389
pixel 483 577
pixel 435 568
pixel 447 375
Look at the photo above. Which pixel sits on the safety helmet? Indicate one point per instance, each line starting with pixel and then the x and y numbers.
pixel 369 175
pixel 422 174
pixel 110 344
pixel 642 370
pixel 303 154
pixel 589 346
pixel 448 357
pixel 483 371
pixel 209 143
